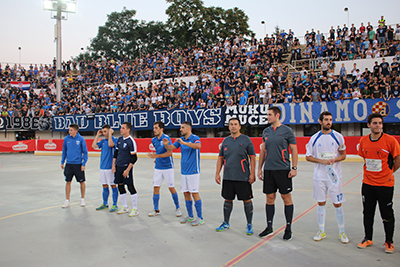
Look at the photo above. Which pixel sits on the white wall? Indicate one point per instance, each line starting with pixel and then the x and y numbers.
pixel 361 64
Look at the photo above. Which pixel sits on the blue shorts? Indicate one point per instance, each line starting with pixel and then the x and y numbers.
pixel 71 170
pixel 120 179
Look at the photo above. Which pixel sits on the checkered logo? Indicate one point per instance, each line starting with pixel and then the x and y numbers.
pixel 382 108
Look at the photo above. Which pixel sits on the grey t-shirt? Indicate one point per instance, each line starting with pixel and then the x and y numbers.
pixel 277 142
pixel 235 153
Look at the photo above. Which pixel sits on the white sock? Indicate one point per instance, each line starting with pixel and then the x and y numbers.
pixel 340 218
pixel 321 218
pixel 134 201
pixel 123 200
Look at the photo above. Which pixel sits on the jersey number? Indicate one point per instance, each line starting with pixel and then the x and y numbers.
pixel 339 197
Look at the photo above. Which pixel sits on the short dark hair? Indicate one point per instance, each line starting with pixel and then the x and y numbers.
pixel 160 124
pixel 74 126
pixel 373 116
pixel 128 125
pixel 275 110
pixel 188 123
pixel 325 113
pixel 234 118
pixel 106 126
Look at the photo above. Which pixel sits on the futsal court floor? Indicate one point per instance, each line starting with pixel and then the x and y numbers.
pixel 36 231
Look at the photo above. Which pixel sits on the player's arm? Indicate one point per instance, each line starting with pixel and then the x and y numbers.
pixel 191 145
pixel 63 154
pixel 156 156
pixel 396 164
pixel 85 155
pixel 130 166
pixel 261 161
pixel 167 145
pixel 114 160
pixel 295 159
pixel 110 138
pixel 252 177
pixel 96 139
pixel 220 161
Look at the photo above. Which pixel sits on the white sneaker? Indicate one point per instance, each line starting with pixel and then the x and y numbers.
pixel 83 204
pixel 319 236
pixel 66 204
pixel 133 213
pixel 178 212
pixel 122 210
pixel 343 238
pixel 197 222
pixel 154 213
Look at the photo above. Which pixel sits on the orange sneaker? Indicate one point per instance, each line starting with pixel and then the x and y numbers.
pixel 389 247
pixel 365 243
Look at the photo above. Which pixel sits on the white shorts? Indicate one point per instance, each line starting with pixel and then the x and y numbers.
pixel 322 188
pixel 106 177
pixel 190 183
pixel 160 175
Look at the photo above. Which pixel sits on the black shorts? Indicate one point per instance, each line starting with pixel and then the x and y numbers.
pixel 71 170
pixel 277 179
pixel 242 190
pixel 120 179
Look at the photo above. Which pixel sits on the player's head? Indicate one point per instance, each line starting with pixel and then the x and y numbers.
pixel 126 127
pixel 375 123
pixel 273 114
pixel 325 119
pixel 73 129
pixel 158 128
pixel 105 128
pixel 186 128
pixel 234 125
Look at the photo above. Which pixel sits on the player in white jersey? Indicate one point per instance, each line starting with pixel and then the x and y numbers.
pixel 326 149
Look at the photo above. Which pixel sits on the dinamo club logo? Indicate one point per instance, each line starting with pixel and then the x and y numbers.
pixel 382 108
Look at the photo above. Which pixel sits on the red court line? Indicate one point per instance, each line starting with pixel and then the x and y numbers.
pixel 265 240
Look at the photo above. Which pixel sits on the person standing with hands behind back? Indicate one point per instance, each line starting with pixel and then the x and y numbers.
pixel 75 153
pixel 239 173
pixel 277 173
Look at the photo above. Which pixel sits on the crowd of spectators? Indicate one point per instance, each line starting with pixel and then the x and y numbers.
pixel 232 72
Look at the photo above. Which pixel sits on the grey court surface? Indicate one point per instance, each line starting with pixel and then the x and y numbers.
pixel 36 231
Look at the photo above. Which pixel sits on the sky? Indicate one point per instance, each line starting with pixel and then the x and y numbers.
pixel 25 24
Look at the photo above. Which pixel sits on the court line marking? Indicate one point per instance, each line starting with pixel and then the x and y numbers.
pixel 253 248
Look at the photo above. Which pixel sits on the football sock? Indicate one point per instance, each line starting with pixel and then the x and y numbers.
pixel 156 199
pixel 176 200
pixel 227 210
pixel 270 211
pixel 124 200
pixel 134 201
pixel 289 216
pixel 321 217
pixel 189 207
pixel 248 210
pixel 115 196
pixel 106 193
pixel 340 218
pixel 197 205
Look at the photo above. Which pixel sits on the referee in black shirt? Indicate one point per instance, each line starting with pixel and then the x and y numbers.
pixel 239 173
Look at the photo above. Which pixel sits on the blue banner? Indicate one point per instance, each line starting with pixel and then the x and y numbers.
pixel 143 120
pixel 343 111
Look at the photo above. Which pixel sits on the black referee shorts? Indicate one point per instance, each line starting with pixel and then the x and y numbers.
pixel 120 179
pixel 71 170
pixel 241 189
pixel 277 179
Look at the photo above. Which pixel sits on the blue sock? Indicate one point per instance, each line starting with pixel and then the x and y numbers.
pixel 115 196
pixel 197 205
pixel 106 193
pixel 176 200
pixel 156 199
pixel 189 207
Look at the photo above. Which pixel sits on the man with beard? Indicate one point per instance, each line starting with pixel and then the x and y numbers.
pixel 327 149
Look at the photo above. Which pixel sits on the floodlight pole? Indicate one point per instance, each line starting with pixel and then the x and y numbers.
pixel 59 57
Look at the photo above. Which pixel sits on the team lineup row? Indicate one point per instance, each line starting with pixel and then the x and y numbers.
pixel 381 154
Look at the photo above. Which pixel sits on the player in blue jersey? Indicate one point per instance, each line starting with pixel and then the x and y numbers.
pixel 107 146
pixel 76 155
pixel 123 161
pixel 164 169
pixel 190 171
